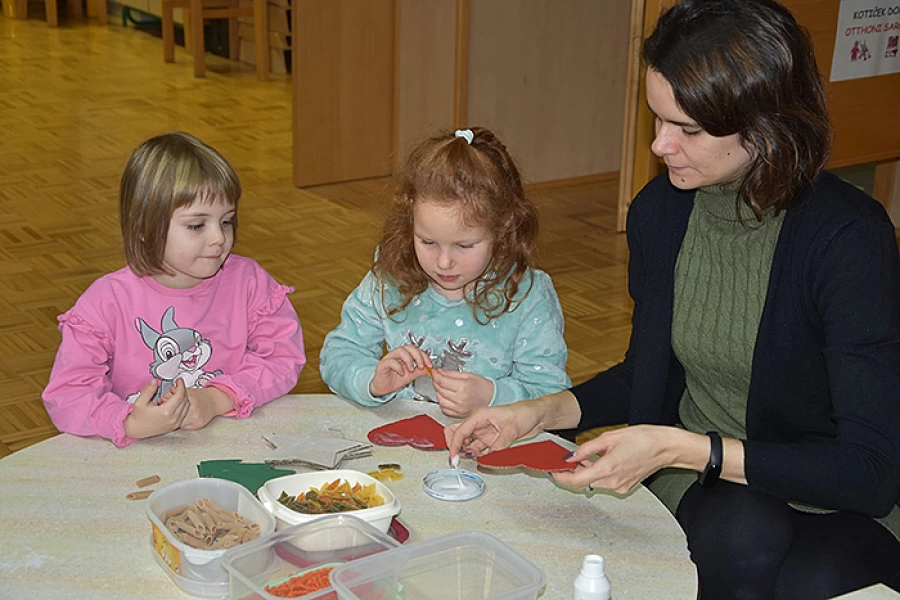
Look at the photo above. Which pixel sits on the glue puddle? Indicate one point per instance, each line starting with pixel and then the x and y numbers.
pixel 453 484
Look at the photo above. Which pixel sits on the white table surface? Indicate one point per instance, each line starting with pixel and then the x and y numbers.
pixel 875 592
pixel 68 532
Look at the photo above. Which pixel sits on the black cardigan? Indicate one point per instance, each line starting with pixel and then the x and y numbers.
pixel 823 410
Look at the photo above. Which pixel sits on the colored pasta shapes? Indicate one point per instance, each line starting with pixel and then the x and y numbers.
pixel 301 585
pixel 337 496
pixel 206 526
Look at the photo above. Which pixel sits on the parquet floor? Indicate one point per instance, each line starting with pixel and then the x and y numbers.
pixel 75 101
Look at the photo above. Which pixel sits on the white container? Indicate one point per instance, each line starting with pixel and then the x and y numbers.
pixel 466 565
pixel 272 560
pixel 200 572
pixel 592 583
pixel 379 516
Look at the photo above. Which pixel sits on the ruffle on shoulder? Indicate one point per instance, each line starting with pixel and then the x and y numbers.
pixel 269 305
pixel 81 325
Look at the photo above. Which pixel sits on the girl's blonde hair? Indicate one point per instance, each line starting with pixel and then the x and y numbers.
pixel 481 180
pixel 165 173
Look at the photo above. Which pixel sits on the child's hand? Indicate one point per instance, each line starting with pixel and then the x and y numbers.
pixel 460 393
pixel 397 368
pixel 206 405
pixel 148 419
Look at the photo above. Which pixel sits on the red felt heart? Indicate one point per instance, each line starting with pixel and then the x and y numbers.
pixel 540 456
pixel 421 432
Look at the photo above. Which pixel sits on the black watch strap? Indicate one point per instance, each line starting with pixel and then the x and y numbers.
pixel 710 474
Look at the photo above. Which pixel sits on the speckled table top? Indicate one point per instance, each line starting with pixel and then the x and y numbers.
pixel 69 532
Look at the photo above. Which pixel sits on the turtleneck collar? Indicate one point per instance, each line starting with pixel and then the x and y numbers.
pixel 720 202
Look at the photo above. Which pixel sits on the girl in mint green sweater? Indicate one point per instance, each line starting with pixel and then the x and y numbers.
pixel 453 297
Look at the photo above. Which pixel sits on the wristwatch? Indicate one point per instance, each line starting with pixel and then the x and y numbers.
pixel 710 474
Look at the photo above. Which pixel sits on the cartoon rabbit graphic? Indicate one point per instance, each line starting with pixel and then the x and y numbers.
pixel 178 353
pixel 453 358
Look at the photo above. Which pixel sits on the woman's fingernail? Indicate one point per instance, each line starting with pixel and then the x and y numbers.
pixel 569 455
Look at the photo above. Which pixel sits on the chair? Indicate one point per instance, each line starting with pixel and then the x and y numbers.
pixel 197 11
pixel 18 9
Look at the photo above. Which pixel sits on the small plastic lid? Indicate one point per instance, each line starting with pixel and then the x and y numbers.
pixel 445 485
pixel 592 566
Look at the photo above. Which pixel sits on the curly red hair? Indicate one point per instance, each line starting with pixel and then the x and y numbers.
pixel 482 181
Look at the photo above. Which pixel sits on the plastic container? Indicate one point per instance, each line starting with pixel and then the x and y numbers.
pixel 379 516
pixel 200 572
pixel 466 565
pixel 275 559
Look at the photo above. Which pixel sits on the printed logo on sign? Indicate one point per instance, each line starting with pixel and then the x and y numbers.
pixel 866 39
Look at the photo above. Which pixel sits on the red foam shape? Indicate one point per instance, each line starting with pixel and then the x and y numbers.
pixel 539 456
pixel 421 432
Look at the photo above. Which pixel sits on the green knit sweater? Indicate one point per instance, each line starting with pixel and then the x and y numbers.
pixel 721 278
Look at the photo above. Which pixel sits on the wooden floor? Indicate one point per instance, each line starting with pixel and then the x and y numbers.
pixel 75 101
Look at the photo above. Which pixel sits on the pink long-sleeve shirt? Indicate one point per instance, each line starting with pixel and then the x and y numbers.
pixel 236 331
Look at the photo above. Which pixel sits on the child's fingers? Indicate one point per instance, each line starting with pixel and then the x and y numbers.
pixel 400 360
pixel 146 395
pixel 445 386
pixel 420 359
pixel 445 376
pixel 423 359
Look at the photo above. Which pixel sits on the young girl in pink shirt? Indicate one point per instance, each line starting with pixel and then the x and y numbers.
pixel 187 331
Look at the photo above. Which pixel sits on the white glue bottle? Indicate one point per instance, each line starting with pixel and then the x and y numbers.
pixel 592 583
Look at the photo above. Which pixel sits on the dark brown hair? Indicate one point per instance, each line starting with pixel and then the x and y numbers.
pixel 746 67
pixel 166 173
pixel 481 180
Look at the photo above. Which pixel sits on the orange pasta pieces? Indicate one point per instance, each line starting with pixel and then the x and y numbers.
pixel 301 585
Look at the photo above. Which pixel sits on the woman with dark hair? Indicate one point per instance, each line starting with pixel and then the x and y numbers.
pixel 762 380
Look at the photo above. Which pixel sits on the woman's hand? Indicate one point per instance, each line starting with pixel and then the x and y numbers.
pixel 629 455
pixel 460 393
pixel 397 368
pixel 492 428
pixel 148 419
pixel 205 405
pixel 496 427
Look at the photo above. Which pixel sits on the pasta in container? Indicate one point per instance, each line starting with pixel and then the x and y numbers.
pixel 195 522
pixel 339 485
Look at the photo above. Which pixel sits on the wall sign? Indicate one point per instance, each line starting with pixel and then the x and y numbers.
pixel 866 39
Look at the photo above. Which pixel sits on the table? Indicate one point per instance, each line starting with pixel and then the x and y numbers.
pixel 68 531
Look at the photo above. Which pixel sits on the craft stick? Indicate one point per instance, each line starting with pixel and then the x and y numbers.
pixel 147 481
pixel 138 495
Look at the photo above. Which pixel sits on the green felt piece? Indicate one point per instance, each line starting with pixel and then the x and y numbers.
pixel 250 475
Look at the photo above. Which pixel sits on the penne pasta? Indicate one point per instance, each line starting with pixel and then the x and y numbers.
pixel 206 526
pixel 138 495
pixel 147 481
pixel 173 512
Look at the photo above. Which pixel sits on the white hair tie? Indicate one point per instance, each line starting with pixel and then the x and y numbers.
pixel 466 134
